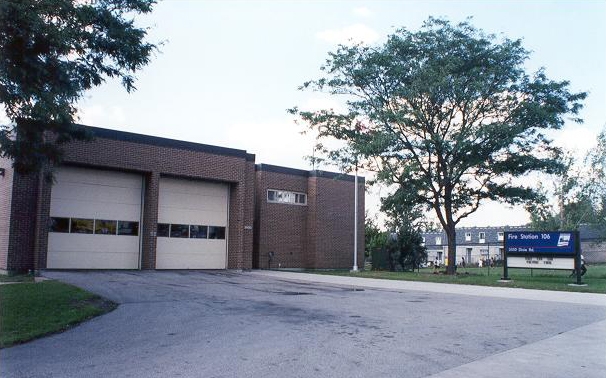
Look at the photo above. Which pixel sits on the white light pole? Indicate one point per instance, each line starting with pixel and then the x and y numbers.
pixel 355 264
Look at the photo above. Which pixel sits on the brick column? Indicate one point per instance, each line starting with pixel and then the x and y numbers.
pixel 42 219
pixel 150 220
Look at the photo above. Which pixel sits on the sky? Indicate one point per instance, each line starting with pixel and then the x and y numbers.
pixel 227 71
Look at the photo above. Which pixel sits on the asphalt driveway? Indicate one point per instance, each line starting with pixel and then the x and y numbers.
pixel 251 324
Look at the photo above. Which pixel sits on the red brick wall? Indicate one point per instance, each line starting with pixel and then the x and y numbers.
pixel 318 235
pixel 333 223
pixel 281 228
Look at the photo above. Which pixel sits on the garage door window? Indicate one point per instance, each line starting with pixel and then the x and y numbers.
pixel 179 231
pixel 94 226
pixel 59 225
pixel 163 230
pixel 216 232
pixel 198 232
pixel 82 226
pixel 105 227
pixel 128 228
pixel 190 231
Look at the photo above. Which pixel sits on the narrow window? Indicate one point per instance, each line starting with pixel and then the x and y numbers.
pixel 468 236
pixel 271 195
pixel 500 236
pixel 482 236
pixel 283 196
pixel 301 198
pixel 438 240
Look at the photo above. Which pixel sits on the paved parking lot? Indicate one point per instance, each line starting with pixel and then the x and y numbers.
pixel 274 324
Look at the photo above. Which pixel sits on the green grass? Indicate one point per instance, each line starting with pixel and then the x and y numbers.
pixel 33 310
pixel 595 278
pixel 16 278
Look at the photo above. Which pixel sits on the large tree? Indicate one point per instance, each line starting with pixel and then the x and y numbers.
pixel 447 113
pixel 51 51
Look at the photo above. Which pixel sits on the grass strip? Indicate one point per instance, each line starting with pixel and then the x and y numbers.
pixel 540 279
pixel 16 278
pixel 32 310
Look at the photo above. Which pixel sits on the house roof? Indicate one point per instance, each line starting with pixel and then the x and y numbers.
pixel 471 235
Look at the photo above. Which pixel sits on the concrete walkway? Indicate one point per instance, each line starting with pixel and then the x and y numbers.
pixel 432 287
pixel 580 352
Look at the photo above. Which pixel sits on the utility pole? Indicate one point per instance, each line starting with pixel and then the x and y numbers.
pixel 355 259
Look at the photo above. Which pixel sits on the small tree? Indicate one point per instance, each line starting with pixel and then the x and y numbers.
pixel 405 244
pixel 374 237
pixel 447 112
pixel 51 51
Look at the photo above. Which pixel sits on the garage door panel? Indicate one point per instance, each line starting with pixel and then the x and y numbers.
pixel 106 193
pixel 180 187
pixel 194 202
pixel 105 210
pixel 190 254
pixel 193 217
pixel 92 243
pixel 74 175
pixel 96 260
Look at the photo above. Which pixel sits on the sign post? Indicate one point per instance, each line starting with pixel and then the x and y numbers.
pixel 579 262
pixel 505 272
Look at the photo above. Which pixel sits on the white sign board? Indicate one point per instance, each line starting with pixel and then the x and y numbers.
pixel 540 262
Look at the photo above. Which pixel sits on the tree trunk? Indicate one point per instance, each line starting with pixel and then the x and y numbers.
pixel 451 235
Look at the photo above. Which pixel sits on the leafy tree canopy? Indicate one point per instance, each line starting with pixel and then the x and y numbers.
pixel 447 113
pixel 51 52
pixel 580 192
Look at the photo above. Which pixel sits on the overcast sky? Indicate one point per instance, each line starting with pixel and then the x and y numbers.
pixel 228 70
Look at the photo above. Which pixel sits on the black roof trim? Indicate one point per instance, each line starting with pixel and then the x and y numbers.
pixel 335 176
pixel 279 169
pixel 165 142
pixel 303 173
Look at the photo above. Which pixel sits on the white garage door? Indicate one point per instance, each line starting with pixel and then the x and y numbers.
pixel 192 225
pixel 95 220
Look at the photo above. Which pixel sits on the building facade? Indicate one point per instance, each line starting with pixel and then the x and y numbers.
pixel 132 201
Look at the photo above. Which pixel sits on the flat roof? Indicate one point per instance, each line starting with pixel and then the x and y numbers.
pixel 304 173
pixel 166 142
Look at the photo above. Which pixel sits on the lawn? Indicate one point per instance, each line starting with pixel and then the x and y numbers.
pixel 32 310
pixel 16 278
pixel 595 278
